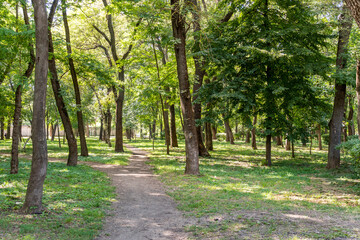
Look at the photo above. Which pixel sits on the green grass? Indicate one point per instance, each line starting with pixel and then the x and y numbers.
pixel 236 197
pixel 75 198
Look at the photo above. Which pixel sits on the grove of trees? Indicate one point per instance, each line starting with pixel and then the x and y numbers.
pixel 277 70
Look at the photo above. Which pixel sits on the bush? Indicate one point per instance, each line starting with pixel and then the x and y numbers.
pixel 221 136
pixel 352 151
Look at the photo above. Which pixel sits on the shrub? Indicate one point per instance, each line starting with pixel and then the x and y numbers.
pixel 352 151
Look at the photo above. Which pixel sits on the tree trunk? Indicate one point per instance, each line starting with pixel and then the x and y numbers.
pixel 34 192
pixel 319 137
pixel 268 150
pixel 119 141
pixel 53 132
pixel 214 132
pixel 8 130
pixel 14 165
pixel 72 158
pixel 191 144
pixel 165 108
pixel 287 145
pixel 107 127
pixel 335 123
pixel 253 133
pixel 208 137
pixel 358 94
pixel 2 127
pixel 351 128
pixel 229 134
pixel 354 6
pixel 248 135
pixel 174 142
pixel 199 76
pixel 279 141
pixel 81 128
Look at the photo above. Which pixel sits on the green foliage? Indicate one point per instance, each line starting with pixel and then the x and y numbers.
pixel 352 150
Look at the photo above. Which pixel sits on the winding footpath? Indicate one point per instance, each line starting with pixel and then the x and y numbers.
pixel 142 209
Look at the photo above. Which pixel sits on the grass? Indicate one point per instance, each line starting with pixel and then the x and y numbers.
pixel 75 198
pixel 235 197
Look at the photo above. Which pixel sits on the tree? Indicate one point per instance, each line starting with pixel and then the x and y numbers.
pixel 354 6
pixel 191 144
pixel 33 198
pixel 335 124
pixel 79 113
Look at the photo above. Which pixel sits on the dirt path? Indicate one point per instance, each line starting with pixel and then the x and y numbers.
pixel 142 209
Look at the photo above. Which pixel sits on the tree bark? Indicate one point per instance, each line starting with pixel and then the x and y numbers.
pixel 248 136
pixel 84 150
pixel 174 142
pixel 208 137
pixel 2 127
pixel 268 150
pixel 351 127
pixel 53 131
pixel 199 76
pixel 358 94
pixel 34 193
pixel 354 6
pixel 8 129
pixel 253 133
pixel 14 165
pixel 214 131
pixel 191 144
pixel 229 134
pixel 335 123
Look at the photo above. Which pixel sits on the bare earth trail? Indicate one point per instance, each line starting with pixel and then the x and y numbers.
pixel 142 209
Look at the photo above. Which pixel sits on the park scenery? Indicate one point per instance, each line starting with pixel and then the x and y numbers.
pixel 180 119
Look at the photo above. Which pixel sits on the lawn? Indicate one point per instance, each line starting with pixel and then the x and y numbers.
pixel 235 197
pixel 76 198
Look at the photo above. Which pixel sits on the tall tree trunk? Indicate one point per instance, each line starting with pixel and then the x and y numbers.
pixel 120 96
pixel 248 135
pixel 229 134
pixel 2 127
pixel 164 104
pixel 319 137
pixel 358 94
pixel 14 165
pixel 165 108
pixel 335 123
pixel 72 158
pixel 214 132
pixel 199 76
pixel 174 142
pixel 101 138
pixel 253 133
pixel 34 192
pixel 81 128
pixel 54 127
pixel 208 137
pixel 191 144
pixel 8 129
pixel 268 150
pixel 351 128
